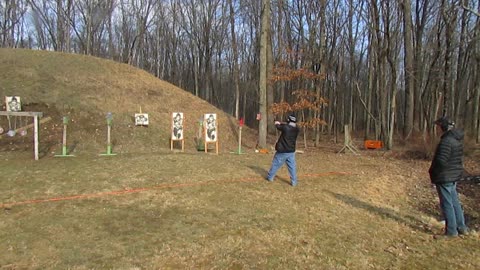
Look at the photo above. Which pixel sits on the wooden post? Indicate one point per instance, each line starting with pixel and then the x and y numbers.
pixel 182 141
pixel 216 146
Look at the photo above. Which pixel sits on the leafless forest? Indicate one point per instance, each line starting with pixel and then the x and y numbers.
pixel 386 68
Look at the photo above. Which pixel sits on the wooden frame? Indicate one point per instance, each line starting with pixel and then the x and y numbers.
pixel 35 116
pixel 348 144
pixel 177 128
pixel 210 127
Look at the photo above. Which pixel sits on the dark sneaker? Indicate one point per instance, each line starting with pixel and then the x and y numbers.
pixel 464 232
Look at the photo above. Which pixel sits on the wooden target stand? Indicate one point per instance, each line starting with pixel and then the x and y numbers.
pixel 210 142
pixel 173 139
pixel 182 142
pixel 348 144
pixel 36 116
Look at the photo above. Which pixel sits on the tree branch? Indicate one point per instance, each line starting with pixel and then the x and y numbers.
pixel 363 103
pixel 471 10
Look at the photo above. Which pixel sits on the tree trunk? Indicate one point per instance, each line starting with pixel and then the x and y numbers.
pixel 262 129
pixel 270 93
pixel 409 71
pixel 236 72
pixel 322 70
pixel 476 100
pixel 449 98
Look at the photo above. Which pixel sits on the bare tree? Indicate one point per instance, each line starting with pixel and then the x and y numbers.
pixel 262 133
pixel 409 71
pixel 141 12
pixel 201 21
pixel 476 99
pixel 11 15
pixel 385 82
pixel 89 25
pixel 236 71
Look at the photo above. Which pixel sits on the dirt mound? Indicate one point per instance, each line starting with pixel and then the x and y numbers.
pixel 86 88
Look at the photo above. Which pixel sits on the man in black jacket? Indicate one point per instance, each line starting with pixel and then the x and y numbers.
pixel 446 169
pixel 285 149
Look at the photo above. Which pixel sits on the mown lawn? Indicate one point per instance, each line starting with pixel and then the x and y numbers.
pixel 204 211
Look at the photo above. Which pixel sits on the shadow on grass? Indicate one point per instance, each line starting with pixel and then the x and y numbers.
pixel 46 148
pixel 55 148
pixel 72 147
pixel 263 173
pixel 411 221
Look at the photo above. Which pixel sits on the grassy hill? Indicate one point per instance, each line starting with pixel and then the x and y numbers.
pixel 85 88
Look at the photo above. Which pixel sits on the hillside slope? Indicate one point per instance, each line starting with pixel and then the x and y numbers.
pixel 86 88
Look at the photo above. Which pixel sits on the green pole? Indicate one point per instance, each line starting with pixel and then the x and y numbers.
pixel 64 141
pixel 64 146
pixel 109 144
pixel 239 138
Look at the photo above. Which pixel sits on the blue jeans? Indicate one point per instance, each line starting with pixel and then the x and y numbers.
pixel 451 209
pixel 278 160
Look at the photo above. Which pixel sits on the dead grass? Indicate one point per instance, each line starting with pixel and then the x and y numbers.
pixel 202 211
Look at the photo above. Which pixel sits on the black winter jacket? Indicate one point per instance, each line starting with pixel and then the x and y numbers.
pixel 447 163
pixel 288 138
